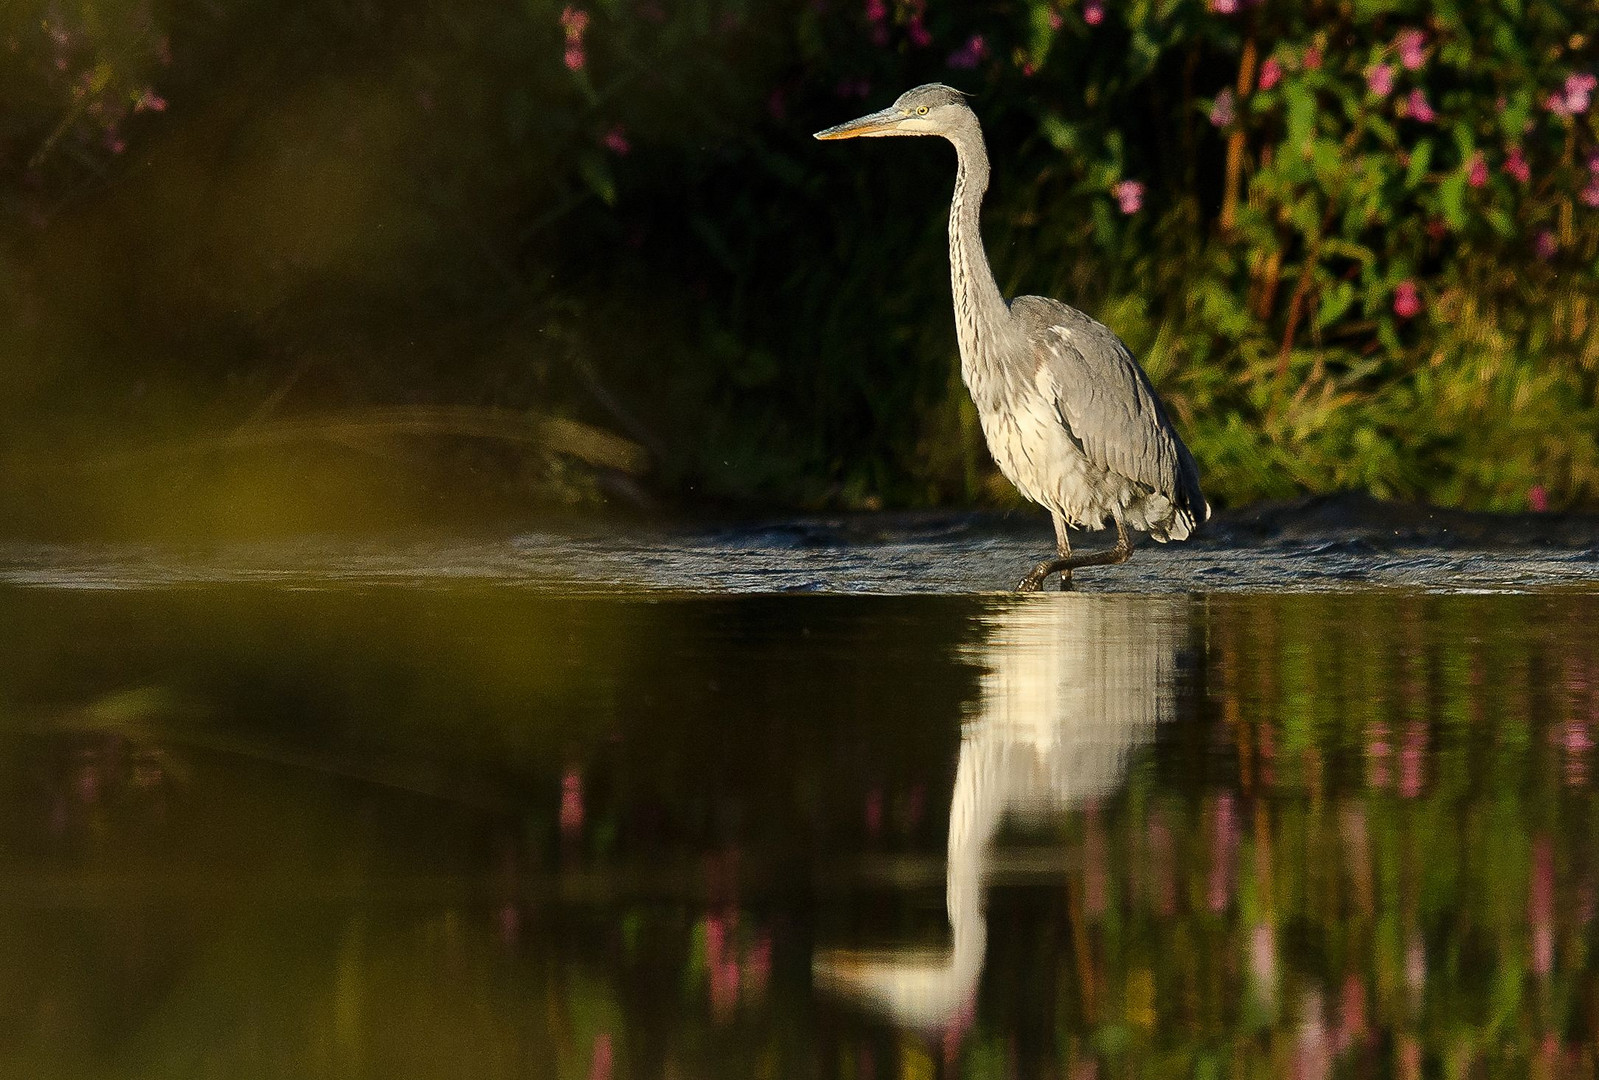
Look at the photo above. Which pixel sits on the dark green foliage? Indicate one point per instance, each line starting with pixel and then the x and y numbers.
pixel 615 212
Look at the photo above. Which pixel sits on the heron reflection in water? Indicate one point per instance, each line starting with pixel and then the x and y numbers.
pixel 1072 687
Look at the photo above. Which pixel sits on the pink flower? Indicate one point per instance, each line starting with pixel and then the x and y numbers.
pixel 1477 174
pixel 150 101
pixel 1516 165
pixel 970 54
pixel 1574 97
pixel 1380 79
pixel 1407 302
pixel 876 11
pixel 1538 499
pixel 1222 112
pixel 1224 7
pixel 1590 194
pixel 1418 107
pixel 1094 12
pixel 1129 196
pixel 1271 73
pixel 616 141
pixel 916 30
pixel 574 21
pixel 1411 44
pixel 1545 245
pixel 1313 58
pixel 1055 21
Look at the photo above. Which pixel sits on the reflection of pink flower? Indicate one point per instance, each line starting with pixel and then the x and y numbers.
pixel 1094 877
pixel 1271 73
pixel 1412 753
pixel 1093 12
pixel 1312 1059
pixel 1223 851
pixel 1407 305
pixel 601 1063
pixel 571 803
pixel 1129 196
pixel 1516 165
pixel 1419 109
pixel 1263 955
pixel 1164 882
pixel 1415 964
pixel 1221 112
pixel 1540 907
pixel 1411 44
pixel 970 54
pixel 1351 1014
pixel 1477 174
pixel 1380 79
pixel 1544 245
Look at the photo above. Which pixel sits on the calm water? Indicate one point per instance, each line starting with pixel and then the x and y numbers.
pixel 487 831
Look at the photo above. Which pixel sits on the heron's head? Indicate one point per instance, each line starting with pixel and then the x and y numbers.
pixel 934 109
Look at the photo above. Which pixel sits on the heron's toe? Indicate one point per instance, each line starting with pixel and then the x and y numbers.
pixel 1028 584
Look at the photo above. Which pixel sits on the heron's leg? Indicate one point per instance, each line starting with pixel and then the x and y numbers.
pixel 1063 548
pixel 1041 572
pixel 1110 557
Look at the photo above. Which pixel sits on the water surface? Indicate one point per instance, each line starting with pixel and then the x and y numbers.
pixel 361 828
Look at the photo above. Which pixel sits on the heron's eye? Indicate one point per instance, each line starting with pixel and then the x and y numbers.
pixel 922 111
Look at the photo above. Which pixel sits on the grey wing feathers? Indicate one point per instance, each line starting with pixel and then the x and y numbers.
pixel 1106 400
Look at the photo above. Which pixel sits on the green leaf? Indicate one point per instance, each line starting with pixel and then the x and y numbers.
pixel 1334 303
pixel 1301 116
pixel 1452 195
pixel 1420 160
pixel 597 175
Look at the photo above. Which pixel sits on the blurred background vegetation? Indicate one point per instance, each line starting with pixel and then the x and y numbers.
pixel 264 264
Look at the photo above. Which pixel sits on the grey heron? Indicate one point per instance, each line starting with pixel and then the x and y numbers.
pixel 1069 416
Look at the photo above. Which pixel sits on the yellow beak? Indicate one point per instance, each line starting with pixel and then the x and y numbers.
pixel 877 123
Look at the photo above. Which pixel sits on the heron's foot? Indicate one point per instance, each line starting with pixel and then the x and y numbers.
pixel 1067 563
pixel 1035 580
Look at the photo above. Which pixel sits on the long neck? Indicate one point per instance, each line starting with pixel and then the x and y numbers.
pixel 978 305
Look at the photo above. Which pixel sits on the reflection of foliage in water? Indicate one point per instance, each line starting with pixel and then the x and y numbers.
pixel 1363 847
